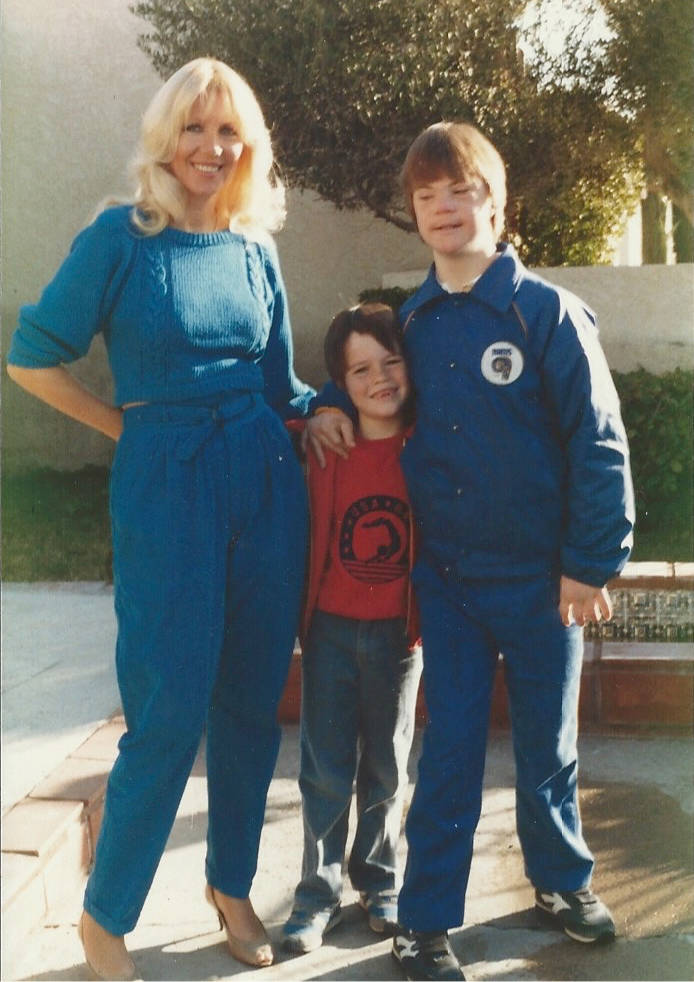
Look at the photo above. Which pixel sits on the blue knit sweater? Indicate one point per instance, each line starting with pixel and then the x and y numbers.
pixel 184 315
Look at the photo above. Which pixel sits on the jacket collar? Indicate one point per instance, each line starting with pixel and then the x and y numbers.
pixel 496 287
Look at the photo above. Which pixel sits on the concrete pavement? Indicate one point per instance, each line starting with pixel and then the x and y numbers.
pixel 58 681
pixel 637 807
pixel 637 803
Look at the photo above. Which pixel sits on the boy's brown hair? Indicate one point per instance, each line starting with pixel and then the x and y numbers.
pixel 460 152
pixel 376 319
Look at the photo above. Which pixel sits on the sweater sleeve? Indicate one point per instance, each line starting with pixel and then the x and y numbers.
pixel 599 514
pixel 75 305
pixel 288 395
pixel 335 398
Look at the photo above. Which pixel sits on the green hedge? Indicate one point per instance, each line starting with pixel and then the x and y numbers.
pixel 394 296
pixel 658 412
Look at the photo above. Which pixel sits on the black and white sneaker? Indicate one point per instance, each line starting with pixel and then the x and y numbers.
pixel 580 914
pixel 426 955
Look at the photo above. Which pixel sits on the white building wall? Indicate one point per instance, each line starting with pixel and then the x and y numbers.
pixel 627 250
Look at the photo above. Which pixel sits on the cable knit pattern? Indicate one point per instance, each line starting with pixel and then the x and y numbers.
pixel 256 274
pixel 183 315
pixel 156 356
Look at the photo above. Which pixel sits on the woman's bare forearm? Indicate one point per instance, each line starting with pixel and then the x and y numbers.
pixel 61 390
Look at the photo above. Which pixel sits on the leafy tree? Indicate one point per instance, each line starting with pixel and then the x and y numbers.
pixel 651 60
pixel 347 84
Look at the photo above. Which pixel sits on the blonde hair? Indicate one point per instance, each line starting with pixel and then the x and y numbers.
pixel 458 151
pixel 252 200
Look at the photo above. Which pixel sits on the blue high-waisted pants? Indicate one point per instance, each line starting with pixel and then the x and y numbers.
pixel 209 519
pixel 464 625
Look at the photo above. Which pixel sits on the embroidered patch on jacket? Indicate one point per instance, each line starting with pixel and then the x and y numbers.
pixel 502 363
pixel 374 539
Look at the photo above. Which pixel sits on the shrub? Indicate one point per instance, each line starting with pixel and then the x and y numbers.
pixel 658 415
pixel 394 296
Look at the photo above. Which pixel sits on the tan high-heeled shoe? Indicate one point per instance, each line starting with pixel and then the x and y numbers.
pixel 256 952
pixel 105 953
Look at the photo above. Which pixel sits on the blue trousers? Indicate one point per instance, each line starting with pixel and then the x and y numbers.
pixel 209 519
pixel 359 689
pixel 465 624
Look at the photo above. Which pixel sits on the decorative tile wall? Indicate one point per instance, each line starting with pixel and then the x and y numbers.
pixel 647 615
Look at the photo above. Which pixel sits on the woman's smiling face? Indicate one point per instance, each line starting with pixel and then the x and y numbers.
pixel 208 149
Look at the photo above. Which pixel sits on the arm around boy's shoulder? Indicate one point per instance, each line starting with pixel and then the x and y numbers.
pixel 284 391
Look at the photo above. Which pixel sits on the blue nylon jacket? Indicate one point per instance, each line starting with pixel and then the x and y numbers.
pixel 519 462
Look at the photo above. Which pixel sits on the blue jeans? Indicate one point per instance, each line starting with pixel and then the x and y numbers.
pixel 359 689
pixel 209 519
pixel 465 624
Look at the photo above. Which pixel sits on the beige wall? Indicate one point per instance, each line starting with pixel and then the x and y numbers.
pixel 74 86
pixel 645 313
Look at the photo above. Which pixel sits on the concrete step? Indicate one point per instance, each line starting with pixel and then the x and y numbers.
pixel 49 836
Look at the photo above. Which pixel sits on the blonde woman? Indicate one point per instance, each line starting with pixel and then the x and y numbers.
pixel 207 499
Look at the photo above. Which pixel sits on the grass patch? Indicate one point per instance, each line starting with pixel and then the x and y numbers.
pixel 56 526
pixel 665 530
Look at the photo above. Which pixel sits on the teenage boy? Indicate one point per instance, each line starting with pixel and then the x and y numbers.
pixel 518 475
pixel 360 666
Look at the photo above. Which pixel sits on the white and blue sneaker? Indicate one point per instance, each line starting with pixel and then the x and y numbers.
pixel 381 909
pixel 304 931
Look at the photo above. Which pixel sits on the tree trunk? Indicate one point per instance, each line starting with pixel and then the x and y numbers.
pixel 653 241
pixel 682 236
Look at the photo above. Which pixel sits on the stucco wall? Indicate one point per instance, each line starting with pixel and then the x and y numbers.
pixel 74 86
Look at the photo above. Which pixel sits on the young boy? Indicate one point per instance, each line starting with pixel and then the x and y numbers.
pixel 518 475
pixel 360 668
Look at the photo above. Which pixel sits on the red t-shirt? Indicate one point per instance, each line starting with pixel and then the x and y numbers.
pixel 367 569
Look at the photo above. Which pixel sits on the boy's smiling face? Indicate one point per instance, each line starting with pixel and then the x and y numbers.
pixel 454 217
pixel 376 381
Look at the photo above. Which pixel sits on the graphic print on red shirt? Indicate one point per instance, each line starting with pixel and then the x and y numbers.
pixel 366 573
pixel 374 539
